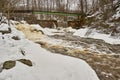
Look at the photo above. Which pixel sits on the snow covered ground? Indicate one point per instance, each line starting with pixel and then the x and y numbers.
pixel 46 65
pixel 88 33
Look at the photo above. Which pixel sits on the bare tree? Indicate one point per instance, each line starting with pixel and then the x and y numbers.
pixel 7 6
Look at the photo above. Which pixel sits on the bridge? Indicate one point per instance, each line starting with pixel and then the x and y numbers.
pixel 51 22
pixel 47 12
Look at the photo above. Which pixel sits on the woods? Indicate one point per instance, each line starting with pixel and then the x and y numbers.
pixel 104 9
pixel 69 6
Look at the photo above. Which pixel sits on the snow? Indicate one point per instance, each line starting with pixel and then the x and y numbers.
pixel 46 31
pixel 49 66
pixel 81 32
pixel 93 15
pixel 4 27
pixel 96 35
pixel 49 31
pixel 46 65
pixel 69 29
pixel 117 15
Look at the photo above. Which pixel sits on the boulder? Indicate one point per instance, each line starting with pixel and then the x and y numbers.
pixel 9 64
pixel 26 62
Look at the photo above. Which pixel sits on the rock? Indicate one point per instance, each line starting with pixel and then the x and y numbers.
pixel 6 31
pixel 26 62
pixel 9 64
pixel 15 38
pixel 22 52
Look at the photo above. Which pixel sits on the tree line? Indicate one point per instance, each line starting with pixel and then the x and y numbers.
pixel 79 6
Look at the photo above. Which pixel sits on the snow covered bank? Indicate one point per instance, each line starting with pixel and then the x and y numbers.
pixel 92 33
pixel 46 65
